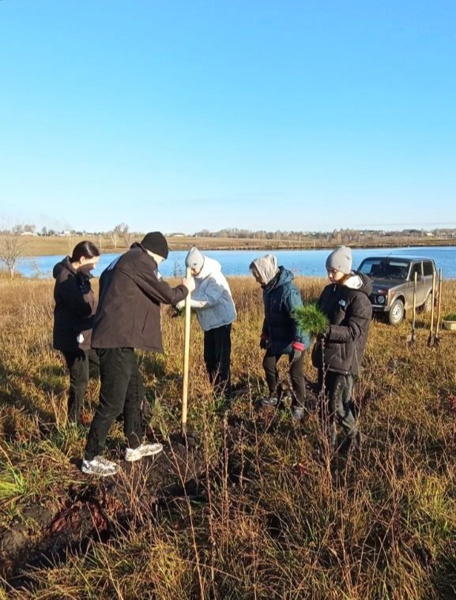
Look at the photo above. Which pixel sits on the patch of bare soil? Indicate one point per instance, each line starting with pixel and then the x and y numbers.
pixel 95 510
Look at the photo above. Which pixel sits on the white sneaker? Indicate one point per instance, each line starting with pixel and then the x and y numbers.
pixel 270 401
pixel 297 412
pixel 99 466
pixel 132 454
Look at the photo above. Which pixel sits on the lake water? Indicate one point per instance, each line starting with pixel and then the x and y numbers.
pixel 310 263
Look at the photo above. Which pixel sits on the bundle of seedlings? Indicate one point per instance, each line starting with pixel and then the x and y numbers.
pixel 310 318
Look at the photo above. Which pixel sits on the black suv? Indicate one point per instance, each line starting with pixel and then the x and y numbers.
pixel 393 281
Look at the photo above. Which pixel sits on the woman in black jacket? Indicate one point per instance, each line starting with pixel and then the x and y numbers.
pixel 339 353
pixel 74 310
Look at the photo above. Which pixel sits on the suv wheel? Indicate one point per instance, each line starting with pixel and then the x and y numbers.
pixel 396 312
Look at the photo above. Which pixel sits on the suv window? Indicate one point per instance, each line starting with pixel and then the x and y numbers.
pixel 385 268
pixel 428 268
pixel 416 268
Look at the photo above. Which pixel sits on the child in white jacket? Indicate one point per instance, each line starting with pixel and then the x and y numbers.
pixel 214 307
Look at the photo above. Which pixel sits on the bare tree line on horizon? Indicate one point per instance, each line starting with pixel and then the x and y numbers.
pixel 347 234
pixel 123 233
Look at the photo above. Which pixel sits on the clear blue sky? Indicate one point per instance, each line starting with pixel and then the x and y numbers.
pixel 263 114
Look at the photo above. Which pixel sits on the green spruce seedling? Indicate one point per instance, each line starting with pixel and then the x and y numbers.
pixel 310 318
pixel 450 317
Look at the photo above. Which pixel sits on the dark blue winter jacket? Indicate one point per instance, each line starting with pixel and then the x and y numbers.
pixel 281 297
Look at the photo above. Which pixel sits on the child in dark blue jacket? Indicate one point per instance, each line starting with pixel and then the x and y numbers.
pixel 281 334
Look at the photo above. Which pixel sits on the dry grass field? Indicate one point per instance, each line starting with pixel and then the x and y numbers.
pixel 273 515
pixel 56 245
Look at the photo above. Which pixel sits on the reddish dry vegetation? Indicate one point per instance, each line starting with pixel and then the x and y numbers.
pixel 263 510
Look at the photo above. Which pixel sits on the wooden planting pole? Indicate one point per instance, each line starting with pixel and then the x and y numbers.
pixel 411 339
pixel 439 307
pixel 186 359
pixel 431 330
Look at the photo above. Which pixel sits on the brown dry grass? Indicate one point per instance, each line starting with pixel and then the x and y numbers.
pixel 280 520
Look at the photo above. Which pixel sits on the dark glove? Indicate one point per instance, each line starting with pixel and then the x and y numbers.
pixel 175 312
pixel 264 342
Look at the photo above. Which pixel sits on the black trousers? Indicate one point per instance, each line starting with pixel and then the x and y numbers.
pixel 217 357
pixel 121 392
pixel 338 407
pixel 82 365
pixel 296 375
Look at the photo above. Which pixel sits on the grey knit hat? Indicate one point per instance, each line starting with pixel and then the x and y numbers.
pixel 340 260
pixel 194 259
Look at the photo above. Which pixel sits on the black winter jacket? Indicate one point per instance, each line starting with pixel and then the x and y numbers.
pixel 281 297
pixel 131 291
pixel 75 306
pixel 349 312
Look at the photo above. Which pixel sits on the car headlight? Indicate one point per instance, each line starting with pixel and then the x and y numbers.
pixel 381 299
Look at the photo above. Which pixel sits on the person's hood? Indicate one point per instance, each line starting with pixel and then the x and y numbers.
pixel 139 246
pixel 194 259
pixel 266 267
pixel 359 281
pixel 210 266
pixel 64 264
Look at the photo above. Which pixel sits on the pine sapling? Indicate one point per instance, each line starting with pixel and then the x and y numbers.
pixel 310 318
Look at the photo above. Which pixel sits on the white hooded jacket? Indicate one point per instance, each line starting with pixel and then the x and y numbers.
pixel 212 298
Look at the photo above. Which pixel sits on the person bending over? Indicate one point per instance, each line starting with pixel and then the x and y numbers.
pixel 128 318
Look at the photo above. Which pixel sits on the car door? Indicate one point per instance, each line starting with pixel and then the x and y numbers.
pixel 421 289
pixel 428 273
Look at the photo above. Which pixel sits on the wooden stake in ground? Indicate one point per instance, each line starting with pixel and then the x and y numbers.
pixel 186 360
pixel 411 337
pixel 439 307
pixel 430 341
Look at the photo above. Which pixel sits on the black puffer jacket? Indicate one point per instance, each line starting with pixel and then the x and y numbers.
pixel 131 291
pixel 349 311
pixel 75 306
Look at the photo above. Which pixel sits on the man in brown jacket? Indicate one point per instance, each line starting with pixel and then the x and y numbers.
pixel 128 317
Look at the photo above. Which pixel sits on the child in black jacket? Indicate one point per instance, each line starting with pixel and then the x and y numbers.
pixel 339 353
